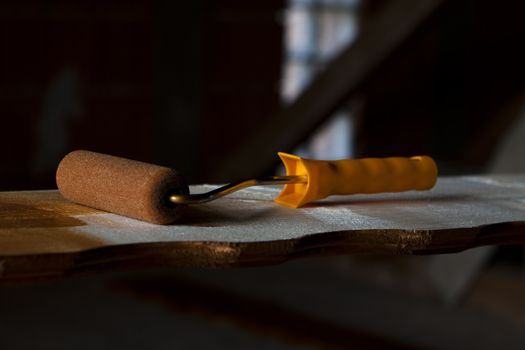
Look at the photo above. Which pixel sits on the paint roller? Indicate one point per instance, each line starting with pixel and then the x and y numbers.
pixel 156 194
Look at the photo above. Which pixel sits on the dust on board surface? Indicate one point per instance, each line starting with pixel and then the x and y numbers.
pixel 41 221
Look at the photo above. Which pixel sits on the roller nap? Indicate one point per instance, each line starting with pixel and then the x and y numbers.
pixel 122 186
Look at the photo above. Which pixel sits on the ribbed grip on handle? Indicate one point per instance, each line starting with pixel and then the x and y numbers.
pixel 352 176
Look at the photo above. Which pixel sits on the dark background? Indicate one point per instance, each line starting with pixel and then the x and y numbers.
pixel 168 82
pixel 189 84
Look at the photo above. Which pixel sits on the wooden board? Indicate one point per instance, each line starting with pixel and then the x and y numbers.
pixel 44 236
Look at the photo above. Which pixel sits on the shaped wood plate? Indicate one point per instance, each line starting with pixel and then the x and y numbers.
pixel 44 236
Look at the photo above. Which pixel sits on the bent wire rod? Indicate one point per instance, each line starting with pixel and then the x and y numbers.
pixel 199 198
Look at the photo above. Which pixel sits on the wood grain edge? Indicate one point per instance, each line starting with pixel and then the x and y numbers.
pixel 212 254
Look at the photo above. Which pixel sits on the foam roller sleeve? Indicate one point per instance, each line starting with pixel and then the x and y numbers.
pixel 122 186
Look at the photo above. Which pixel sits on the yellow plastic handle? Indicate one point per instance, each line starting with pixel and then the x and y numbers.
pixel 352 176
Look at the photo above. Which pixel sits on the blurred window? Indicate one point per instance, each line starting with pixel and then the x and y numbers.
pixel 316 31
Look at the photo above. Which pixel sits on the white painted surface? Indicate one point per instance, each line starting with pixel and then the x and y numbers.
pixel 251 215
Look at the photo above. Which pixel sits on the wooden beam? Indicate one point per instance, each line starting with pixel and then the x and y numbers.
pixel 379 37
